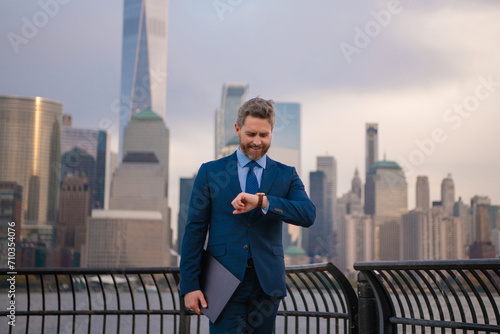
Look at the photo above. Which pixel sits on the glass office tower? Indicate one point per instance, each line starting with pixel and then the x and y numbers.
pixel 285 146
pixel 85 150
pixel 30 153
pixel 233 96
pixel 386 193
pixel 144 59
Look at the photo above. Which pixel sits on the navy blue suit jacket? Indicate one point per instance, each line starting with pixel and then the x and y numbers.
pixel 231 235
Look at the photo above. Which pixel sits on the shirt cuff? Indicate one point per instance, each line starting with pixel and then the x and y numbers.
pixel 264 210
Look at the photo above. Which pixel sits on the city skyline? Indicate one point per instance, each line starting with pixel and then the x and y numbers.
pixel 432 90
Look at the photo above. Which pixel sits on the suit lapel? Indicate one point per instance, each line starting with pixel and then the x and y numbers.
pixel 268 176
pixel 232 169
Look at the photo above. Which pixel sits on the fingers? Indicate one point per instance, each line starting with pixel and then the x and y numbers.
pixel 193 299
pixel 203 302
pixel 238 203
pixel 244 202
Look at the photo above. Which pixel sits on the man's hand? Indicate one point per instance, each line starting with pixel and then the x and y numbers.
pixel 193 299
pixel 246 202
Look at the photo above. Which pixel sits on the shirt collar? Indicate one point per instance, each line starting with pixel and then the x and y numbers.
pixel 243 160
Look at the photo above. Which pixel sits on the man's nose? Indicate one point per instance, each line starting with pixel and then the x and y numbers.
pixel 257 140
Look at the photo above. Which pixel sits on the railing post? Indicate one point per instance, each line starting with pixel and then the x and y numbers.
pixel 367 307
pixel 185 320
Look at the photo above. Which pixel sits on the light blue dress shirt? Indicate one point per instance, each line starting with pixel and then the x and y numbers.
pixel 243 160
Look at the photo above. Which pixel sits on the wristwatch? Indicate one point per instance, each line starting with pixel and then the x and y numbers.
pixel 261 196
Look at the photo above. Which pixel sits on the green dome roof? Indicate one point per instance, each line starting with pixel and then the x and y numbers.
pixel 146 114
pixel 384 164
pixel 295 250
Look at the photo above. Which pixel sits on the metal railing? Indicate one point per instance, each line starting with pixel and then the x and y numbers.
pixel 322 297
pixel 456 296
pixel 108 300
pixel 459 296
pixel 93 300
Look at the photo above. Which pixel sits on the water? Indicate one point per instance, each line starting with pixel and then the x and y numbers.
pixel 125 323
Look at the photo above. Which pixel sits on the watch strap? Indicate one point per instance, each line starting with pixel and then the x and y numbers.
pixel 261 197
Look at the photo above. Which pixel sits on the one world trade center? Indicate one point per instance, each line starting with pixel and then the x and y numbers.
pixel 144 60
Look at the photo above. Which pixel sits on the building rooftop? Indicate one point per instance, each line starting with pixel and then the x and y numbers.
pixel 147 157
pixel 383 164
pixel 146 114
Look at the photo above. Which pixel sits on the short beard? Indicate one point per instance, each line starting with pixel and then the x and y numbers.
pixel 253 156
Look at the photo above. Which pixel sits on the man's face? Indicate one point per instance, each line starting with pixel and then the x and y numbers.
pixel 255 137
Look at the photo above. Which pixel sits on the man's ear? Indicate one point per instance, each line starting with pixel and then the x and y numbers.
pixel 237 128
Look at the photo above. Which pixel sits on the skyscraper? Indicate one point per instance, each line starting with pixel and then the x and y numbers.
pixel 87 151
pixel 135 231
pixel 414 225
pixel 386 196
pixel 146 132
pixel 462 211
pixel 448 195
pixel 137 224
pixel 371 145
pixel 353 229
pixel 371 150
pixel 356 184
pixel 328 165
pixel 318 239
pixel 483 246
pixel 285 146
pixel 474 203
pixel 74 213
pixel 30 153
pixel 386 190
pixel 144 59
pixel 494 211
pixel 233 96
pixel 422 193
pixel 451 238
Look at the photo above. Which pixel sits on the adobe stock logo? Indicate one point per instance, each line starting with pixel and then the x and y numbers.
pixel 223 6
pixel 454 117
pixel 373 28
pixel 30 28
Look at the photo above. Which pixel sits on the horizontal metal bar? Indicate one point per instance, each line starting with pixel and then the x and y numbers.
pixel 444 324
pixel 432 265
pixel 306 268
pixel 93 312
pixel 91 271
pixel 326 315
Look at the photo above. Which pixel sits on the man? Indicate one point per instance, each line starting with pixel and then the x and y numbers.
pixel 242 201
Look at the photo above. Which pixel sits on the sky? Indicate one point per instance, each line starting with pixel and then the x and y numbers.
pixel 426 71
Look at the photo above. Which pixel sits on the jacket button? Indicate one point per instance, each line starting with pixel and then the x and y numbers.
pixel 249 225
pixel 245 247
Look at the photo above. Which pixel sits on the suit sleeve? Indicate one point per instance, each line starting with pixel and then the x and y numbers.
pixel 195 233
pixel 296 208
